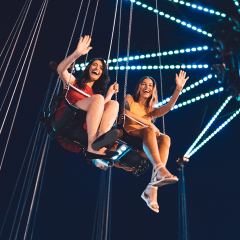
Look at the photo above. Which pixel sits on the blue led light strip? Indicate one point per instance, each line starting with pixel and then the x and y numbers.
pixel 199 30
pixel 208 126
pixel 173 52
pixel 200 8
pixel 186 89
pixel 236 3
pixel 151 67
pixel 196 84
pixel 203 95
pixel 215 132
pixel 137 57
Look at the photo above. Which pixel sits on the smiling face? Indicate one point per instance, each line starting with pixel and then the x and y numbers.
pixel 95 70
pixel 146 88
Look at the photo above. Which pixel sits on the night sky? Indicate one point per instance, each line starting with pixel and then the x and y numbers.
pixel 69 192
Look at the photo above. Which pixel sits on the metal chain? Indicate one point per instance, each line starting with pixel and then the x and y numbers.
pixel 92 27
pixel 114 21
pixel 128 49
pixel 160 64
pixel 119 34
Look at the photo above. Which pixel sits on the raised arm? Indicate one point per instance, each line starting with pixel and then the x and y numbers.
pixel 180 82
pixel 82 49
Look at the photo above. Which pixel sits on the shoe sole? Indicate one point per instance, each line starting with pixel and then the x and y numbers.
pixel 164 182
pixel 105 140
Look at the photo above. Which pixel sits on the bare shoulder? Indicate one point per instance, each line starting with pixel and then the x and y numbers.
pixel 129 98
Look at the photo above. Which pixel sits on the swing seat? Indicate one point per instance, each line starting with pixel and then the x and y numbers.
pixel 69 126
pixel 131 159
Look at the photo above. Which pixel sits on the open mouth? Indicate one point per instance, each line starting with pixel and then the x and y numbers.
pixel 95 72
pixel 146 91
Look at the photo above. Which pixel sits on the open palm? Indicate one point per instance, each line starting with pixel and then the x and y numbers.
pixel 83 46
pixel 181 79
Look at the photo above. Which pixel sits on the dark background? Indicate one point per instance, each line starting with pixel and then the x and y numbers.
pixel 68 199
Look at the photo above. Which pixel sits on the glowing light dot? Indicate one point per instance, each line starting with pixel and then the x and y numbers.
pixel 144 5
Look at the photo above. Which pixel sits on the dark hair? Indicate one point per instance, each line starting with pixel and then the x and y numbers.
pixel 152 99
pixel 99 86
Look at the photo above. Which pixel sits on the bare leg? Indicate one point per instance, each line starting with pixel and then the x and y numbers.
pixel 163 147
pixel 109 117
pixel 94 107
pixel 164 143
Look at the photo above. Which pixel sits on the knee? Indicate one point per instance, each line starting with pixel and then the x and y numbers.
pixel 149 130
pixel 113 104
pixel 165 140
pixel 98 98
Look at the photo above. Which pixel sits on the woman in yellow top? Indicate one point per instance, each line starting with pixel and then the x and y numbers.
pixel 156 146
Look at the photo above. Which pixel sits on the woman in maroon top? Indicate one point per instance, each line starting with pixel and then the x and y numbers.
pixel 100 116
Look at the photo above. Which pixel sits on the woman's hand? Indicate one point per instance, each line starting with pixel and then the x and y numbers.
pixel 83 46
pixel 113 89
pixel 181 79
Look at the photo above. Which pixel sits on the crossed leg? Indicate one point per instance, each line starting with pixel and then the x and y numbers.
pixel 150 193
pixel 99 120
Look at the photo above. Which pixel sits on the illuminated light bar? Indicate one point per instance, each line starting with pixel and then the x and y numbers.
pixel 187 89
pixel 173 18
pixel 215 132
pixel 122 150
pixel 137 57
pixel 150 67
pixel 203 95
pixel 236 3
pixel 208 126
pixel 196 84
pixel 155 67
pixel 200 8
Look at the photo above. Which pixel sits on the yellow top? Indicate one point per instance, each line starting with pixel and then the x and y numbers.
pixel 130 125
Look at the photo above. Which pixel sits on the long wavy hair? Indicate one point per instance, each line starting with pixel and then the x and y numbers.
pixel 152 99
pixel 99 86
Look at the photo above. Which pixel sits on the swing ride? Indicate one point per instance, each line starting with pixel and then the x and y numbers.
pixel 123 45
